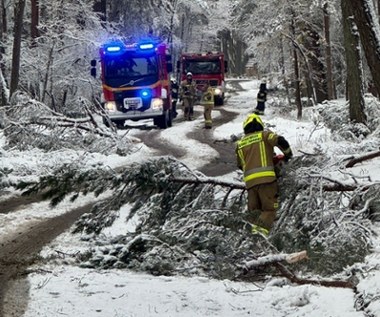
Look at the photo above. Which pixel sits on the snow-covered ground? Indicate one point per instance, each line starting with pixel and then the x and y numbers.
pixel 60 290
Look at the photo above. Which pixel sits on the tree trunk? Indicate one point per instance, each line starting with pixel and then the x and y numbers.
pixel 46 80
pixel 3 29
pixel 368 26
pixel 34 21
pixel 4 26
pixel 296 74
pixel 329 76
pixel 283 73
pixel 354 81
pixel 100 6
pixel 16 54
pixel 314 56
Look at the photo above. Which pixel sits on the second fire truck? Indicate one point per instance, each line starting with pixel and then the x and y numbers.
pixel 206 68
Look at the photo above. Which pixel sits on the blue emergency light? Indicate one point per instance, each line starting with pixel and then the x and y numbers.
pixel 113 49
pixel 146 93
pixel 146 46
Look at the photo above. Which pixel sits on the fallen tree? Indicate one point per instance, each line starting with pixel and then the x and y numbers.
pixel 363 158
pixel 277 260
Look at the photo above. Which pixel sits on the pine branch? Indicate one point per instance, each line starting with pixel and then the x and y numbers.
pixel 209 180
pixel 339 186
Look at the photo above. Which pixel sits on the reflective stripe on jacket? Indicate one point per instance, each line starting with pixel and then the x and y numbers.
pixel 255 157
pixel 262 96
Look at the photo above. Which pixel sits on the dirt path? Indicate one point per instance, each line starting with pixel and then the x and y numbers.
pixel 224 164
pixel 20 250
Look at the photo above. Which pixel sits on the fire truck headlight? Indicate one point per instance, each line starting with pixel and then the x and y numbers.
pixel 110 106
pixel 217 91
pixel 157 103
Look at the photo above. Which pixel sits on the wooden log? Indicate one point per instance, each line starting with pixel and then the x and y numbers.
pixel 362 159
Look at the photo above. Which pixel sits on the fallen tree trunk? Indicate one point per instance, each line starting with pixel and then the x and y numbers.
pixel 276 261
pixel 362 159
pixel 294 279
pixel 337 186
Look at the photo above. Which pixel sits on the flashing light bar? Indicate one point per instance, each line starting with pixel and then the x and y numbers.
pixel 113 49
pixel 146 46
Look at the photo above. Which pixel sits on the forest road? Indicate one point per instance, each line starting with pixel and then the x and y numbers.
pixel 19 250
pixel 225 162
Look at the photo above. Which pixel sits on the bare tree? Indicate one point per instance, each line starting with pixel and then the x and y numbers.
pixel 368 27
pixel 4 26
pixel 296 72
pixel 34 21
pixel 329 76
pixel 3 30
pixel 100 6
pixel 15 73
pixel 354 82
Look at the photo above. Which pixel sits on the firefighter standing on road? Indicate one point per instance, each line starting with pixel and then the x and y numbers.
pixel 188 95
pixel 255 157
pixel 207 101
pixel 174 89
pixel 261 99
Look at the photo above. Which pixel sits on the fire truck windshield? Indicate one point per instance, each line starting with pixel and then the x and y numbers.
pixel 202 67
pixel 129 70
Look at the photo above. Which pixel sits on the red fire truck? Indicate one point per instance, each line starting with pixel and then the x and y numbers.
pixel 206 68
pixel 136 81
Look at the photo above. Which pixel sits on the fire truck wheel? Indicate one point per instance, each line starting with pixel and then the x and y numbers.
pixel 218 101
pixel 170 119
pixel 119 124
pixel 163 121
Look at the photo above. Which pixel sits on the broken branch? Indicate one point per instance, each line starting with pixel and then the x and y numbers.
pixel 362 159
pixel 294 279
pixel 271 259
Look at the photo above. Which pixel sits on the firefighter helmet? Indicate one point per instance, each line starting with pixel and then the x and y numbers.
pixel 252 118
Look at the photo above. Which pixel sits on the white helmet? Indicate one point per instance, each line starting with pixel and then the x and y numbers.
pixel 189 74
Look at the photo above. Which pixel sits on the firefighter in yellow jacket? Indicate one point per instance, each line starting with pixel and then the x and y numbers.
pixel 255 153
pixel 207 101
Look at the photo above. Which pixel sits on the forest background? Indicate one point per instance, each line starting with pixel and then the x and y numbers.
pixel 310 52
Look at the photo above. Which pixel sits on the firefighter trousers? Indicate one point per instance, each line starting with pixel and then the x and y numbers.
pixel 207 115
pixel 188 108
pixel 263 204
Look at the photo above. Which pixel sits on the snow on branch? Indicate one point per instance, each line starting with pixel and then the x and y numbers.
pixel 336 186
pixel 209 180
pixel 295 279
pixel 274 258
pixel 277 259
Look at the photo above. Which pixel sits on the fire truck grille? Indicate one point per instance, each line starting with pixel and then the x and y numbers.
pixel 202 82
pixel 119 97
